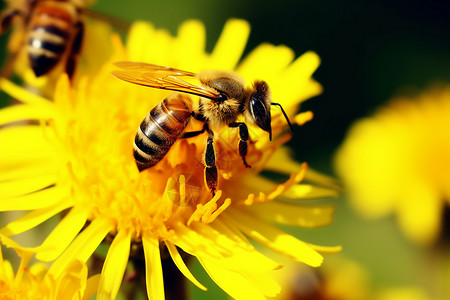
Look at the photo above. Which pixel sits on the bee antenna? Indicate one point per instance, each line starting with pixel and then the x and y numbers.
pixel 284 114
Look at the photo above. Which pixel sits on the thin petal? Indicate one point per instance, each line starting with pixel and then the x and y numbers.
pixel 295 215
pixel 22 94
pixel 63 234
pixel 23 145
pixel 114 266
pixel 25 186
pixel 34 218
pixel 309 191
pixel 24 112
pixel 178 260
pixel 266 61
pixel 322 179
pixel 233 254
pixel 274 238
pixel 153 268
pixel 230 46
pixel 37 200
pixel 194 243
pixel 72 283
pixel 141 35
pixel 29 169
pixel 298 77
pixel 91 286
pixel 192 39
pixel 231 281
pixel 83 246
pixel 326 249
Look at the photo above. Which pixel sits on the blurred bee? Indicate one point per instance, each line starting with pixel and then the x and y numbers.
pixel 223 97
pixel 53 32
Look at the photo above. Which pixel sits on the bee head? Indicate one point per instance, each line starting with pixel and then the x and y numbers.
pixel 259 106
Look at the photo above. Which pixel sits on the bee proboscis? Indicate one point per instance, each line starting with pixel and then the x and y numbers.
pixel 222 98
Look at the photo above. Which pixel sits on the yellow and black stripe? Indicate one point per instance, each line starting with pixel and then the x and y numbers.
pixel 49 35
pixel 158 132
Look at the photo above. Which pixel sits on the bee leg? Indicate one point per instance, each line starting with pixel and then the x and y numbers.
pixel 7 18
pixel 76 48
pixel 210 163
pixel 187 135
pixel 243 135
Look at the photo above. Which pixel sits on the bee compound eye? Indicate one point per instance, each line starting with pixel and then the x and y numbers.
pixel 222 97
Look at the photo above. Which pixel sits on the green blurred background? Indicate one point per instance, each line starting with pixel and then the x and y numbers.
pixel 370 51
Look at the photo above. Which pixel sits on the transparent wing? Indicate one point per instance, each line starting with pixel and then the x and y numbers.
pixel 161 78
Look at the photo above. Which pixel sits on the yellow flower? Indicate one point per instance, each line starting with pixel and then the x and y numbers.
pixel 35 283
pixel 398 161
pixel 339 278
pixel 80 157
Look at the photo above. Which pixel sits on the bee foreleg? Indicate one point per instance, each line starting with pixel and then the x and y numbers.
pixel 75 51
pixel 210 163
pixel 244 137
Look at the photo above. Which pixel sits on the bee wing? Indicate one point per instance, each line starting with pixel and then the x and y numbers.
pixel 161 77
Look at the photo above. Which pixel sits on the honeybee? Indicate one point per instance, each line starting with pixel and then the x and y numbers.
pixel 53 32
pixel 223 97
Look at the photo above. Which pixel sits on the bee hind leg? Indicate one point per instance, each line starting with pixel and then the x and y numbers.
pixel 190 134
pixel 244 137
pixel 75 51
pixel 210 163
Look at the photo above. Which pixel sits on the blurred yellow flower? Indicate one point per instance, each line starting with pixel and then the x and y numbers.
pixel 398 161
pixel 80 157
pixel 336 279
pixel 35 283
pixel 339 278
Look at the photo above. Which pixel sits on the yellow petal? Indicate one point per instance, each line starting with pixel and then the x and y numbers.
pixel 232 233
pixel 266 61
pixel 34 218
pixel 274 238
pixel 230 46
pixel 63 234
pixel 72 283
pixel 24 112
pixel 309 191
pixel 231 281
pixel 419 213
pixel 233 254
pixel 114 266
pixel 326 249
pixel 322 179
pixel 29 169
pixel 23 145
pixel 143 34
pixel 22 94
pixel 193 243
pixel 91 286
pixel 37 200
pixel 83 246
pixel 153 268
pixel 295 215
pixel 192 39
pixel 178 260
pixel 25 186
pixel 298 77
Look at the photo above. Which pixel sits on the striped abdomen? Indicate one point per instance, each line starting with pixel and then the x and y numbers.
pixel 160 129
pixel 51 28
